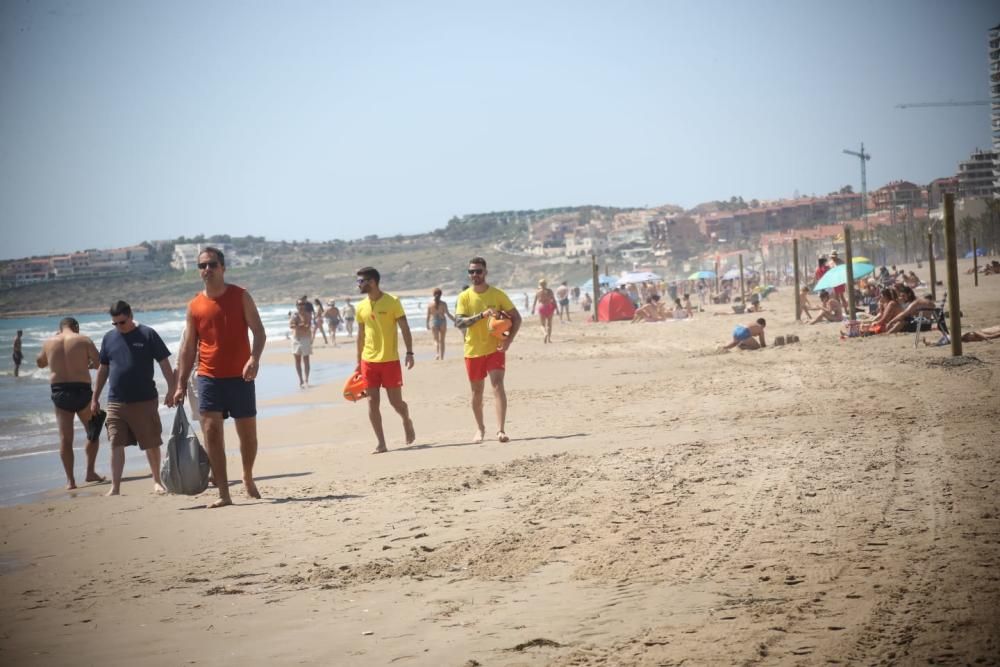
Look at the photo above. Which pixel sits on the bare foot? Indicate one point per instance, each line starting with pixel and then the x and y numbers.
pixel 113 492
pixel 381 449
pixel 480 434
pixel 221 502
pixel 94 477
pixel 502 437
pixel 411 435
pixel 71 486
pixel 158 489
pixel 251 489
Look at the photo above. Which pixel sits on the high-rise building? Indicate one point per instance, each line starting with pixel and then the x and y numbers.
pixel 994 52
pixel 976 175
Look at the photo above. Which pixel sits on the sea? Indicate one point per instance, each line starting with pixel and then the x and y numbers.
pixel 29 438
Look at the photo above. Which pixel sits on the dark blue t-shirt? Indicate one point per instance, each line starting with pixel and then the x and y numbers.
pixel 130 359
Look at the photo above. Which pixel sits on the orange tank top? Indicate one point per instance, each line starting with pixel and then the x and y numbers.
pixel 223 339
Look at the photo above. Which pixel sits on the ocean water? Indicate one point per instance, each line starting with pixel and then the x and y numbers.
pixel 29 438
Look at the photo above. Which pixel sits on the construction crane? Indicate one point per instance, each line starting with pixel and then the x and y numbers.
pixel 949 103
pixel 864 157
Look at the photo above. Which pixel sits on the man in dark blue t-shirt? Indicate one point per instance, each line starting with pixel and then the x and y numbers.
pixel 127 355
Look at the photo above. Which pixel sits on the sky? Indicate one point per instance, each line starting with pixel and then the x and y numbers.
pixel 124 121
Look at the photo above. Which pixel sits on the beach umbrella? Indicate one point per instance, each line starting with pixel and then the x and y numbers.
pixel 602 280
pixel 637 277
pixel 837 276
pixel 702 275
pixel 980 252
pixel 861 260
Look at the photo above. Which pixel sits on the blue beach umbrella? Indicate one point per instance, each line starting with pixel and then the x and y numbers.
pixel 636 277
pixel 602 280
pixel 837 276
pixel 702 275
pixel 980 252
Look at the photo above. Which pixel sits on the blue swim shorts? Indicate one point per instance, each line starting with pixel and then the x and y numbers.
pixel 233 397
pixel 741 333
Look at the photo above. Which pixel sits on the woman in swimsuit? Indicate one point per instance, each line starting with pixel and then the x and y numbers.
pixel 318 321
pixel 545 302
pixel 437 322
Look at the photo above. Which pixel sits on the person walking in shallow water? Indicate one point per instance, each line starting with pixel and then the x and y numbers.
pixel 437 322
pixel 379 315
pixel 218 319
pixel 69 356
pixel 128 353
pixel 17 356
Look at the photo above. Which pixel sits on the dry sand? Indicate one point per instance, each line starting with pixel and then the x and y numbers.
pixel 827 502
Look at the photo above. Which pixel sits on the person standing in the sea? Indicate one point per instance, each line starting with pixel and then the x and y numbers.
pixel 69 356
pixel 18 355
pixel 218 319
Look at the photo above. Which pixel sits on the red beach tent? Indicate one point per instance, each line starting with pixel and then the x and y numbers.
pixel 615 306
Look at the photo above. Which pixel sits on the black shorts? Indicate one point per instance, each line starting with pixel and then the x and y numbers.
pixel 911 326
pixel 233 397
pixel 71 396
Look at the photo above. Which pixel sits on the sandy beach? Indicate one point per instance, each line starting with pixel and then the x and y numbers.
pixel 660 503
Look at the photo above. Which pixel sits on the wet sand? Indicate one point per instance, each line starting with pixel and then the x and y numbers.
pixel 659 503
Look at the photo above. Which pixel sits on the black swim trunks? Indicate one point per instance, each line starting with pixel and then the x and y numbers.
pixel 71 396
pixel 18 357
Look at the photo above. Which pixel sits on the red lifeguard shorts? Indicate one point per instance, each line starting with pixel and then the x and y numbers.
pixel 388 374
pixel 479 367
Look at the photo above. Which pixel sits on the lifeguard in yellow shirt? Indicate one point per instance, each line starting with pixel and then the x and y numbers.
pixel 378 352
pixel 484 354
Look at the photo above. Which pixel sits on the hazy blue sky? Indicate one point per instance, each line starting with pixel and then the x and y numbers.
pixel 135 120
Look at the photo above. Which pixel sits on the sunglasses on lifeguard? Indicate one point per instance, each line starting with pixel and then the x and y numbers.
pixel 362 281
pixel 475 272
pixel 208 265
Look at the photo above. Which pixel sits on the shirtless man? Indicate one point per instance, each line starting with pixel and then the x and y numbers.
pixel 651 312
pixel 17 356
pixel 562 296
pixel 743 336
pixel 545 303
pixel 332 315
pixel 904 322
pixel 70 356
pixel 830 310
pixel 301 326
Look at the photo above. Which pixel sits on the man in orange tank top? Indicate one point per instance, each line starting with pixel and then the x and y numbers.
pixel 217 322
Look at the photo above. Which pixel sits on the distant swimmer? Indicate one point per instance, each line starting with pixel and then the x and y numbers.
pixel 18 355
pixel 218 320
pixel 69 356
pixel 437 322
pixel 562 296
pixel 301 326
pixel 379 315
pixel 744 335
pixel 545 304
pixel 484 354
pixel 128 354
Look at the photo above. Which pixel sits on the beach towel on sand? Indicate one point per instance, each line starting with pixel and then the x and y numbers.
pixel 185 467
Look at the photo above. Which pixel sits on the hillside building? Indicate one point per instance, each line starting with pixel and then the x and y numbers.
pixel 975 175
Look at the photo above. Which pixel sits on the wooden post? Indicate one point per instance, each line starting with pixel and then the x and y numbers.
pixel 717 276
pixel 975 261
pixel 851 313
pixel 798 297
pixel 597 286
pixel 743 295
pixel 933 268
pixel 951 259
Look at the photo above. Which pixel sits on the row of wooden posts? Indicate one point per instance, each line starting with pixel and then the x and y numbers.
pixel 951 262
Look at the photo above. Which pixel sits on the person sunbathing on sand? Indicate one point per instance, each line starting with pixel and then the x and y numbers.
pixel 743 336
pixel 651 312
pixel 830 310
pixel 981 335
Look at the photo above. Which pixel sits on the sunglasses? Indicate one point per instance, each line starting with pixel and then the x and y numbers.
pixel 475 272
pixel 118 323
pixel 362 281
pixel 208 265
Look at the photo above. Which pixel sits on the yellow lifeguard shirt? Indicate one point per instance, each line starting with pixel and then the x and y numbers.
pixel 381 334
pixel 478 341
